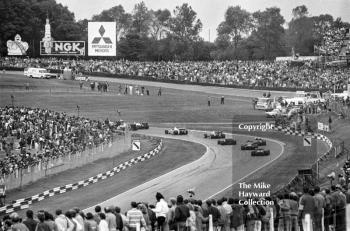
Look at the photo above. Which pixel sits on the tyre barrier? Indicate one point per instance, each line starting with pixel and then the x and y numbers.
pixel 24 203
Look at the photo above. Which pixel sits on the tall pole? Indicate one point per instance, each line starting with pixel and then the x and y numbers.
pixel 209 35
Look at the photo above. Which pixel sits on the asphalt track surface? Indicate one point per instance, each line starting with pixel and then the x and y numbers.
pixel 219 168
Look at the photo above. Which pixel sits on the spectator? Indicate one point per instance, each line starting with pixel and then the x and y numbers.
pixel 103 225
pixel 119 219
pixel 182 212
pixel 49 220
pixel 17 225
pixel 111 219
pixel 161 211
pixel 61 221
pixel 306 206
pixel 135 217
pixel 320 204
pixel 96 215
pixel 42 226
pixel 236 217
pixel 212 210
pixel 91 224
pixel 29 221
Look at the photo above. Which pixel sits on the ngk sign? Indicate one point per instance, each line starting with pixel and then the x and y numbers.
pixel 64 48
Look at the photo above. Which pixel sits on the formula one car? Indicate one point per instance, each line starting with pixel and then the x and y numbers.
pixel 136 126
pixel 260 152
pixel 259 141
pixel 215 135
pixel 176 131
pixel 249 145
pixel 227 142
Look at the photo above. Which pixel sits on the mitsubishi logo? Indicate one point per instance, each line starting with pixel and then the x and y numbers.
pixel 97 40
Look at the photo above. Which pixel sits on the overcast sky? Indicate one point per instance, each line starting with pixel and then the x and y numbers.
pixel 210 12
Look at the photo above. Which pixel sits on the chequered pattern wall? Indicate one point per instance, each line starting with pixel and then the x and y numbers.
pixel 290 131
pixel 24 203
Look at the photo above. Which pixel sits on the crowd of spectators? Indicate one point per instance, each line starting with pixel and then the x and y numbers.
pixel 333 40
pixel 238 73
pixel 31 135
pixel 285 212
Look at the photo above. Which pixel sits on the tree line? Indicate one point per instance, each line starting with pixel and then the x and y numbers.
pixel 163 34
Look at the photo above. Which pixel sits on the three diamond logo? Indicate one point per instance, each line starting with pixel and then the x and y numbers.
pixel 97 40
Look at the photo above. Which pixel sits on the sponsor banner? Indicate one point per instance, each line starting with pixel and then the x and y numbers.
pixel 102 39
pixel 17 46
pixel 73 48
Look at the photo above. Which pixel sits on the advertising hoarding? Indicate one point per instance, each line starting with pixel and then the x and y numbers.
pixel 73 48
pixel 102 39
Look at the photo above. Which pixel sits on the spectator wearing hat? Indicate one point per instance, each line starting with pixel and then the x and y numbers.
pixel 182 212
pixel 29 221
pixel 161 211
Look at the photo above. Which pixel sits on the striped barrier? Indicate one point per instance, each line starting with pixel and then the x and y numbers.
pixel 289 131
pixel 24 203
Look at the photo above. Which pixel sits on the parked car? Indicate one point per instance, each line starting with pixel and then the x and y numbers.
pixel 40 73
pixel 227 142
pixel 215 135
pixel 176 131
pixel 260 152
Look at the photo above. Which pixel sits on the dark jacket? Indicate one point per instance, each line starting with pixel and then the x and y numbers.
pixel 215 214
pixel 182 212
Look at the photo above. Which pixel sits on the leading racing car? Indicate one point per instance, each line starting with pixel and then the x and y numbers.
pixel 215 135
pixel 227 142
pixel 260 152
pixel 259 141
pixel 176 131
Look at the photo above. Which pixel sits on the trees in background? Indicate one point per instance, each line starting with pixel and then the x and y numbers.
pixel 164 34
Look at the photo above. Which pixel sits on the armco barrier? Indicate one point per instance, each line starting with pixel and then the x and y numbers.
pixel 29 175
pixel 289 131
pixel 25 202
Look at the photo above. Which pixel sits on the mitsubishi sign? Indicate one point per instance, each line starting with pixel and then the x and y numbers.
pixel 102 38
pixel 73 48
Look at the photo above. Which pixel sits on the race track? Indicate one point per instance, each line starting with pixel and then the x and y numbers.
pixel 207 89
pixel 217 169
